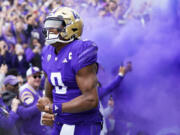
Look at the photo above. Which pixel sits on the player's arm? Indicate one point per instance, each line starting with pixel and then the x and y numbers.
pixel 87 82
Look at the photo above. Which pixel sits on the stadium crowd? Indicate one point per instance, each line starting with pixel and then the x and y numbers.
pixel 21 44
pixel 21 26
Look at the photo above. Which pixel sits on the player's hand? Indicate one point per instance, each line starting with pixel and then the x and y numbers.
pixel 125 69
pixel 48 119
pixel 43 103
pixel 48 108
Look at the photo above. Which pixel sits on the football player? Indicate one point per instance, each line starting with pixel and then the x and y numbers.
pixel 70 65
pixel 48 119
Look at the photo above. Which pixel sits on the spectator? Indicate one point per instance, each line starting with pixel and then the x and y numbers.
pixel 8 34
pixel 20 32
pixel 8 118
pixel 22 63
pixel 112 6
pixel 106 90
pixel 108 9
pixel 7 57
pixel 29 95
pixel 103 11
pixel 34 30
pixel 119 12
pixel 9 104
pixel 3 71
pixel 108 115
pixel 33 53
pixel 11 89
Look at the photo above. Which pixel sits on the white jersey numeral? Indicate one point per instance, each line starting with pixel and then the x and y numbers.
pixel 57 82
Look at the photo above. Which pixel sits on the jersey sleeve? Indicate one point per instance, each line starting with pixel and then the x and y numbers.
pixel 85 54
pixel 7 120
pixel 27 97
pixel 103 91
pixel 28 107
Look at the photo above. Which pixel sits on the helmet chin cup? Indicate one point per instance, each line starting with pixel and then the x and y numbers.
pixel 50 41
pixel 57 40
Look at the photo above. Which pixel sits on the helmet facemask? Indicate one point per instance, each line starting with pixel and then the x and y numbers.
pixel 51 37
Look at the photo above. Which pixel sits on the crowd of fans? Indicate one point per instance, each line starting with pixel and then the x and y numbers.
pixel 21 37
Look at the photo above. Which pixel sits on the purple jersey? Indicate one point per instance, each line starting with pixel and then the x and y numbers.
pixel 61 70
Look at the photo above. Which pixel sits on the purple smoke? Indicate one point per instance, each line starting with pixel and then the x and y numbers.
pixel 148 98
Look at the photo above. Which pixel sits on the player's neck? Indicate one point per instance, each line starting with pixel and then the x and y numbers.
pixel 59 47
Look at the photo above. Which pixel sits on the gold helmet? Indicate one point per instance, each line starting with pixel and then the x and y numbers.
pixel 66 21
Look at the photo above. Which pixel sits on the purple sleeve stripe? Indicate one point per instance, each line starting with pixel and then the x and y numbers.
pixel 90 55
pixel 88 50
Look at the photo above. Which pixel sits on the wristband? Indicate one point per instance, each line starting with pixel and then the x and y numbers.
pixel 57 108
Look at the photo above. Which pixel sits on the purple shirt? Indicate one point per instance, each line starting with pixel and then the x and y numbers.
pixel 9 59
pixel 33 58
pixel 7 120
pixel 104 91
pixel 61 70
pixel 29 112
